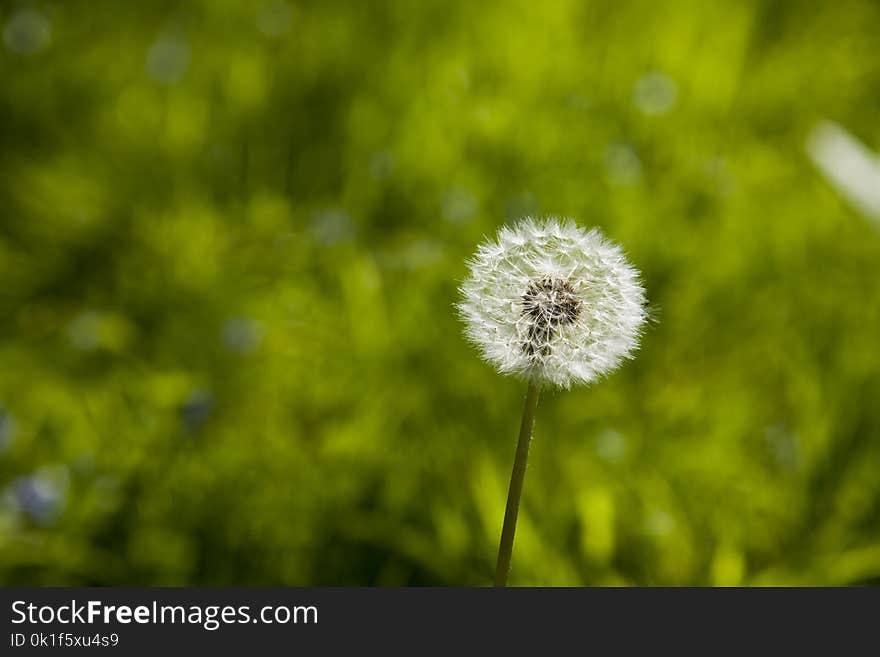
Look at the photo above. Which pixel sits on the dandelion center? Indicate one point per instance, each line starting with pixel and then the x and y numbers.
pixel 548 303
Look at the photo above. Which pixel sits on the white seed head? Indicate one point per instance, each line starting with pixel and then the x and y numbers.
pixel 550 300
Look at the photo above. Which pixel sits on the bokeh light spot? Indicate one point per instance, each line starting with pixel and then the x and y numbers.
pixel 27 32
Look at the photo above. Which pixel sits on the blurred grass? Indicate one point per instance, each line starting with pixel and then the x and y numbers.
pixel 230 240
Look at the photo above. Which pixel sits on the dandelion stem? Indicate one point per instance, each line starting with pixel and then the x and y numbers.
pixel 505 549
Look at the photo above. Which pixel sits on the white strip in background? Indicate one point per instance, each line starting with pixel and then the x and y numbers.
pixel 850 166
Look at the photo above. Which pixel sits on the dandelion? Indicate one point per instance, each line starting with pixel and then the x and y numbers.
pixel 556 305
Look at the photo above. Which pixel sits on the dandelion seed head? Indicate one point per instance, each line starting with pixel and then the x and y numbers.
pixel 550 300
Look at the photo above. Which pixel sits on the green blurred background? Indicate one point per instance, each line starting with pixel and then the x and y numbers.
pixel 230 242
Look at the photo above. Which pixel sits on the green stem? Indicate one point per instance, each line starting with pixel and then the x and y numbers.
pixel 505 549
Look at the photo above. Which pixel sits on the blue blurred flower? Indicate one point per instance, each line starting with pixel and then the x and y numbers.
pixel 40 497
pixel 197 409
